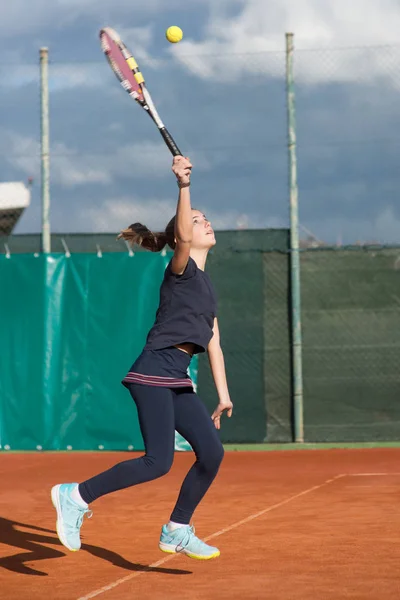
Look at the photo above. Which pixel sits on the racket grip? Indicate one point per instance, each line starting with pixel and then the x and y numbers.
pixel 169 140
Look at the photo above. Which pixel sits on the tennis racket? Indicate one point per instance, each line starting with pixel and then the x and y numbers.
pixel 129 75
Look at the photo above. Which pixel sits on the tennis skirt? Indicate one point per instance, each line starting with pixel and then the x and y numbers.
pixel 167 367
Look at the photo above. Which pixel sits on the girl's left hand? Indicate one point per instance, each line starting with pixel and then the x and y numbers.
pixel 182 168
pixel 221 408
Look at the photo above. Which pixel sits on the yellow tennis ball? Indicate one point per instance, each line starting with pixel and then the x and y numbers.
pixel 174 34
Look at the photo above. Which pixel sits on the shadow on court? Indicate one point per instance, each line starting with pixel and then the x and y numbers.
pixel 31 539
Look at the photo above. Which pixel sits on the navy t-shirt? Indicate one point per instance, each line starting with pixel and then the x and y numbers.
pixel 188 306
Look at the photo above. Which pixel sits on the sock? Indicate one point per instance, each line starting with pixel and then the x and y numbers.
pixel 171 526
pixel 76 497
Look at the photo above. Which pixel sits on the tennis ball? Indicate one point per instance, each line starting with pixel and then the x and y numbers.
pixel 174 34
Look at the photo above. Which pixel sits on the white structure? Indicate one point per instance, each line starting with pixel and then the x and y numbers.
pixel 15 197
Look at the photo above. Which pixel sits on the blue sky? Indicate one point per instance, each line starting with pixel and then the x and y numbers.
pixel 221 92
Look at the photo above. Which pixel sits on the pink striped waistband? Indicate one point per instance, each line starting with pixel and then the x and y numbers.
pixel 156 381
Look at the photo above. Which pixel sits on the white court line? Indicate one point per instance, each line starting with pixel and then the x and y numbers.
pixel 370 474
pixel 118 582
pixel 266 510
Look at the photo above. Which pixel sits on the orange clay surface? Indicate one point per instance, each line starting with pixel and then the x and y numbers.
pixel 307 525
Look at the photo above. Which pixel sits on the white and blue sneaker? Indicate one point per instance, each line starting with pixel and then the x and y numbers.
pixel 69 515
pixel 183 541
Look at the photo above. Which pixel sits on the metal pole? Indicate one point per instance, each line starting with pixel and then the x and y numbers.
pixel 45 151
pixel 294 248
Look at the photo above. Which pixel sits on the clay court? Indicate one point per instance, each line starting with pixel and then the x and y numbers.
pixel 306 524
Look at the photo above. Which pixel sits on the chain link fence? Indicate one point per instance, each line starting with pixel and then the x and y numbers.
pixel 351 348
pixel 350 309
pixel 109 166
pixel 347 123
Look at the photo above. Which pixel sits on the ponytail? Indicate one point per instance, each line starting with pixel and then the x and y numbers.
pixel 154 241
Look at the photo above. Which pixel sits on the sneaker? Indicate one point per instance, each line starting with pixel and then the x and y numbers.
pixel 69 515
pixel 184 541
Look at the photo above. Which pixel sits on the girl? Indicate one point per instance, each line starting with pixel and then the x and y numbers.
pixel 185 324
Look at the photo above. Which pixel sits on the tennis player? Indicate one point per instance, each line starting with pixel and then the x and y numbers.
pixel 186 324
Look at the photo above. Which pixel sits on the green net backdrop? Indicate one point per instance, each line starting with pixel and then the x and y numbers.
pixel 70 327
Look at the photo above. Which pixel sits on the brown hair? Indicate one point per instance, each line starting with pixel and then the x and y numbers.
pixel 154 241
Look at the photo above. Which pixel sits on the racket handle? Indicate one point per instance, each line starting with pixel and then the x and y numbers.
pixel 168 139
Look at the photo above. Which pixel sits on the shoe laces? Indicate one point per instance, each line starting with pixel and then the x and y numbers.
pixel 189 534
pixel 82 512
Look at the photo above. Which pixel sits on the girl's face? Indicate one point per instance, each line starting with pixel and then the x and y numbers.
pixel 203 234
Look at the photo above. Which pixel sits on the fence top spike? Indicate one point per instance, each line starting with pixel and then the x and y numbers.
pixel 66 249
pixel 129 247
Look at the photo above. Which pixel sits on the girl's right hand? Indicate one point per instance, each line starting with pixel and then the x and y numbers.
pixel 181 167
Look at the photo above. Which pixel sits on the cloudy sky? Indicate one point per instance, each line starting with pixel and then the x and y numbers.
pixel 221 92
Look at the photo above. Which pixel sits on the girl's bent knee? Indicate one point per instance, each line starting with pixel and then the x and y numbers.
pixel 212 460
pixel 158 467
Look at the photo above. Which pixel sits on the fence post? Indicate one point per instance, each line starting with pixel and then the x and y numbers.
pixel 294 248
pixel 45 151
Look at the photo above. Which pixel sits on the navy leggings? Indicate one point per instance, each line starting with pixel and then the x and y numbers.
pixel 162 410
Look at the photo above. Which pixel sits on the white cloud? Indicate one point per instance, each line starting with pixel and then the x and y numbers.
pixel 237 219
pixel 139 40
pixel 70 170
pixel 72 167
pixel 60 76
pixel 64 75
pixel 239 37
pixel 18 75
pixel 72 75
pixel 253 40
pixel 67 168
pixel 383 228
pixel 18 20
pixel 116 213
pixel 21 151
